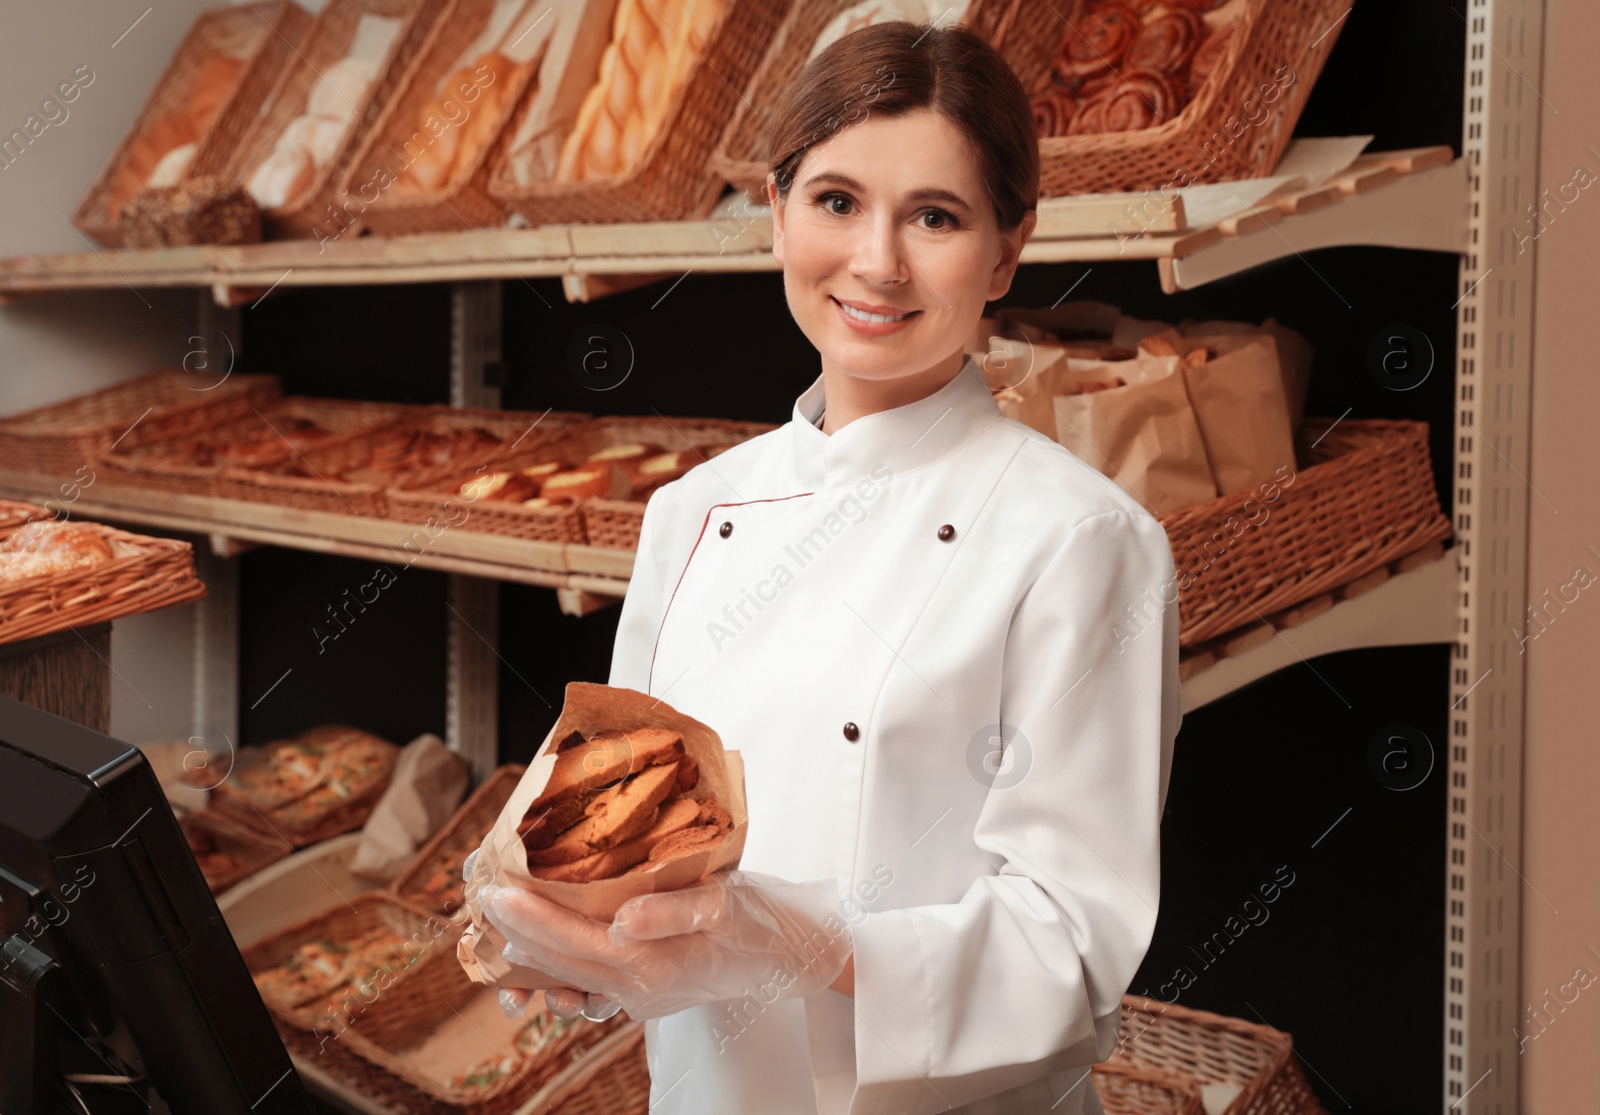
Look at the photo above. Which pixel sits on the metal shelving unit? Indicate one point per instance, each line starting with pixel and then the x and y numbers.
pixel 1494 314
pixel 1407 199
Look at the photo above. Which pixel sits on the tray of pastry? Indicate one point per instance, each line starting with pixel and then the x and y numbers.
pixel 56 574
pixel 432 881
pixel 314 974
pixel 67 438
pixel 349 475
pixel 641 142
pixel 214 86
pixel 320 783
pixel 327 98
pixel 227 851
pixel 538 492
pixel 285 429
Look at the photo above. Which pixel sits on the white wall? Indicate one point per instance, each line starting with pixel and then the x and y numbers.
pixel 57 346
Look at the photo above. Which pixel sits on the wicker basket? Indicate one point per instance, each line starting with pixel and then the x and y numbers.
pixel 59 439
pixel 387 1038
pixel 426 952
pixel 400 209
pixel 1131 1090
pixel 1199 1047
pixel 1021 29
pixel 345 480
pixel 15 514
pixel 143 574
pixel 448 847
pixel 1199 144
pixel 263 35
pixel 673 179
pixel 565 522
pixel 167 465
pixel 615 523
pixel 293 821
pixel 252 849
pixel 1361 498
pixel 613 1082
pixel 327 42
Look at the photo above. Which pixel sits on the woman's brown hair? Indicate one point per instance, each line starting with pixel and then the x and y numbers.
pixel 895 67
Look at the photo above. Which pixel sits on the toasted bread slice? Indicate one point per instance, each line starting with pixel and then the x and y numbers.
pixel 673 816
pixel 614 815
pixel 685 842
pixel 603 759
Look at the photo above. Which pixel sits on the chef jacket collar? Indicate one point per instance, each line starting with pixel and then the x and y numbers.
pixel 900 438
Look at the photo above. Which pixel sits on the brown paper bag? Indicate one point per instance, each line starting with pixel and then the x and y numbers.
pixel 1143 436
pixel 1239 404
pixel 503 861
pixel 1294 360
pixel 429 781
pixel 1294 356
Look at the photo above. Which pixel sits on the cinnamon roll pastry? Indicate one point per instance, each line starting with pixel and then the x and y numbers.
pixel 1166 42
pixel 1097 42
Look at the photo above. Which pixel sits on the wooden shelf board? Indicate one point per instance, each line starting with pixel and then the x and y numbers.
pixel 1418 606
pixel 453 550
pixel 1086 228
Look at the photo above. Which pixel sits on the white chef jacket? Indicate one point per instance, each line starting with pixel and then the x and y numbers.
pixel 943 646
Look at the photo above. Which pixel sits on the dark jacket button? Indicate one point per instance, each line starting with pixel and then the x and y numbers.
pixel 946 532
pixel 725 529
pixel 851 732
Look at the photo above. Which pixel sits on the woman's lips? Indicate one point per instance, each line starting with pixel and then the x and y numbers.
pixel 871 328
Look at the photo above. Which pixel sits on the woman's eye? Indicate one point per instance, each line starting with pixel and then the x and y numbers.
pixel 946 219
pixel 829 201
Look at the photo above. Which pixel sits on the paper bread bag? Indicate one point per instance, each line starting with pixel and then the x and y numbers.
pixel 502 860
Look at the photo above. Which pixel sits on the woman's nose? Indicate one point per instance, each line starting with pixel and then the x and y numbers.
pixel 877 258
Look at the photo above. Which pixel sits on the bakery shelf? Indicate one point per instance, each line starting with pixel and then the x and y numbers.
pixel 1413 199
pixel 574 569
pixel 1408 608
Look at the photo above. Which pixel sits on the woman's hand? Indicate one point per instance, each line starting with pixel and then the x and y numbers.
pixel 732 934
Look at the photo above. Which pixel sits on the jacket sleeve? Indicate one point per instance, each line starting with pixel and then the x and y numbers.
pixel 643 606
pixel 1023 977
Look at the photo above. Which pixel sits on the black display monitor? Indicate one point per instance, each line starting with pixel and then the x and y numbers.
pixel 121 988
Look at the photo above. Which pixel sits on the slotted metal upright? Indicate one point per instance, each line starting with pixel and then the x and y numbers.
pixel 1494 344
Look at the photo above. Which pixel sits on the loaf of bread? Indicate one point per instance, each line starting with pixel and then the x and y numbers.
pixel 571 485
pixel 309 142
pixel 618 801
pixel 43 548
pixel 653 48
pixel 161 154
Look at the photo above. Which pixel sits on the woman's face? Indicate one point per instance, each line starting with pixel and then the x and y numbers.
pixel 890 216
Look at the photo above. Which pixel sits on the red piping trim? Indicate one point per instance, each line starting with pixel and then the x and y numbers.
pixel 650 677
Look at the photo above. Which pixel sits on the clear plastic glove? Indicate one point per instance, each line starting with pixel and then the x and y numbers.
pixel 732 934
pixel 563 1002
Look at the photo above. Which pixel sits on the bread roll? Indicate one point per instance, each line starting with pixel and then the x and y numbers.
pixel 576 484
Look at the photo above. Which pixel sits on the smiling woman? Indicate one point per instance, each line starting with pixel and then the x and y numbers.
pixel 904 175
pixel 891 581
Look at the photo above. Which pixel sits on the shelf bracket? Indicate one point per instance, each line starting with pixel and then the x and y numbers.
pixel 475 357
pixel 1426 210
pixel 472 694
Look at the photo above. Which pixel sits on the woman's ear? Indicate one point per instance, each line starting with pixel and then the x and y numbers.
pixel 777 217
pixel 1011 245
